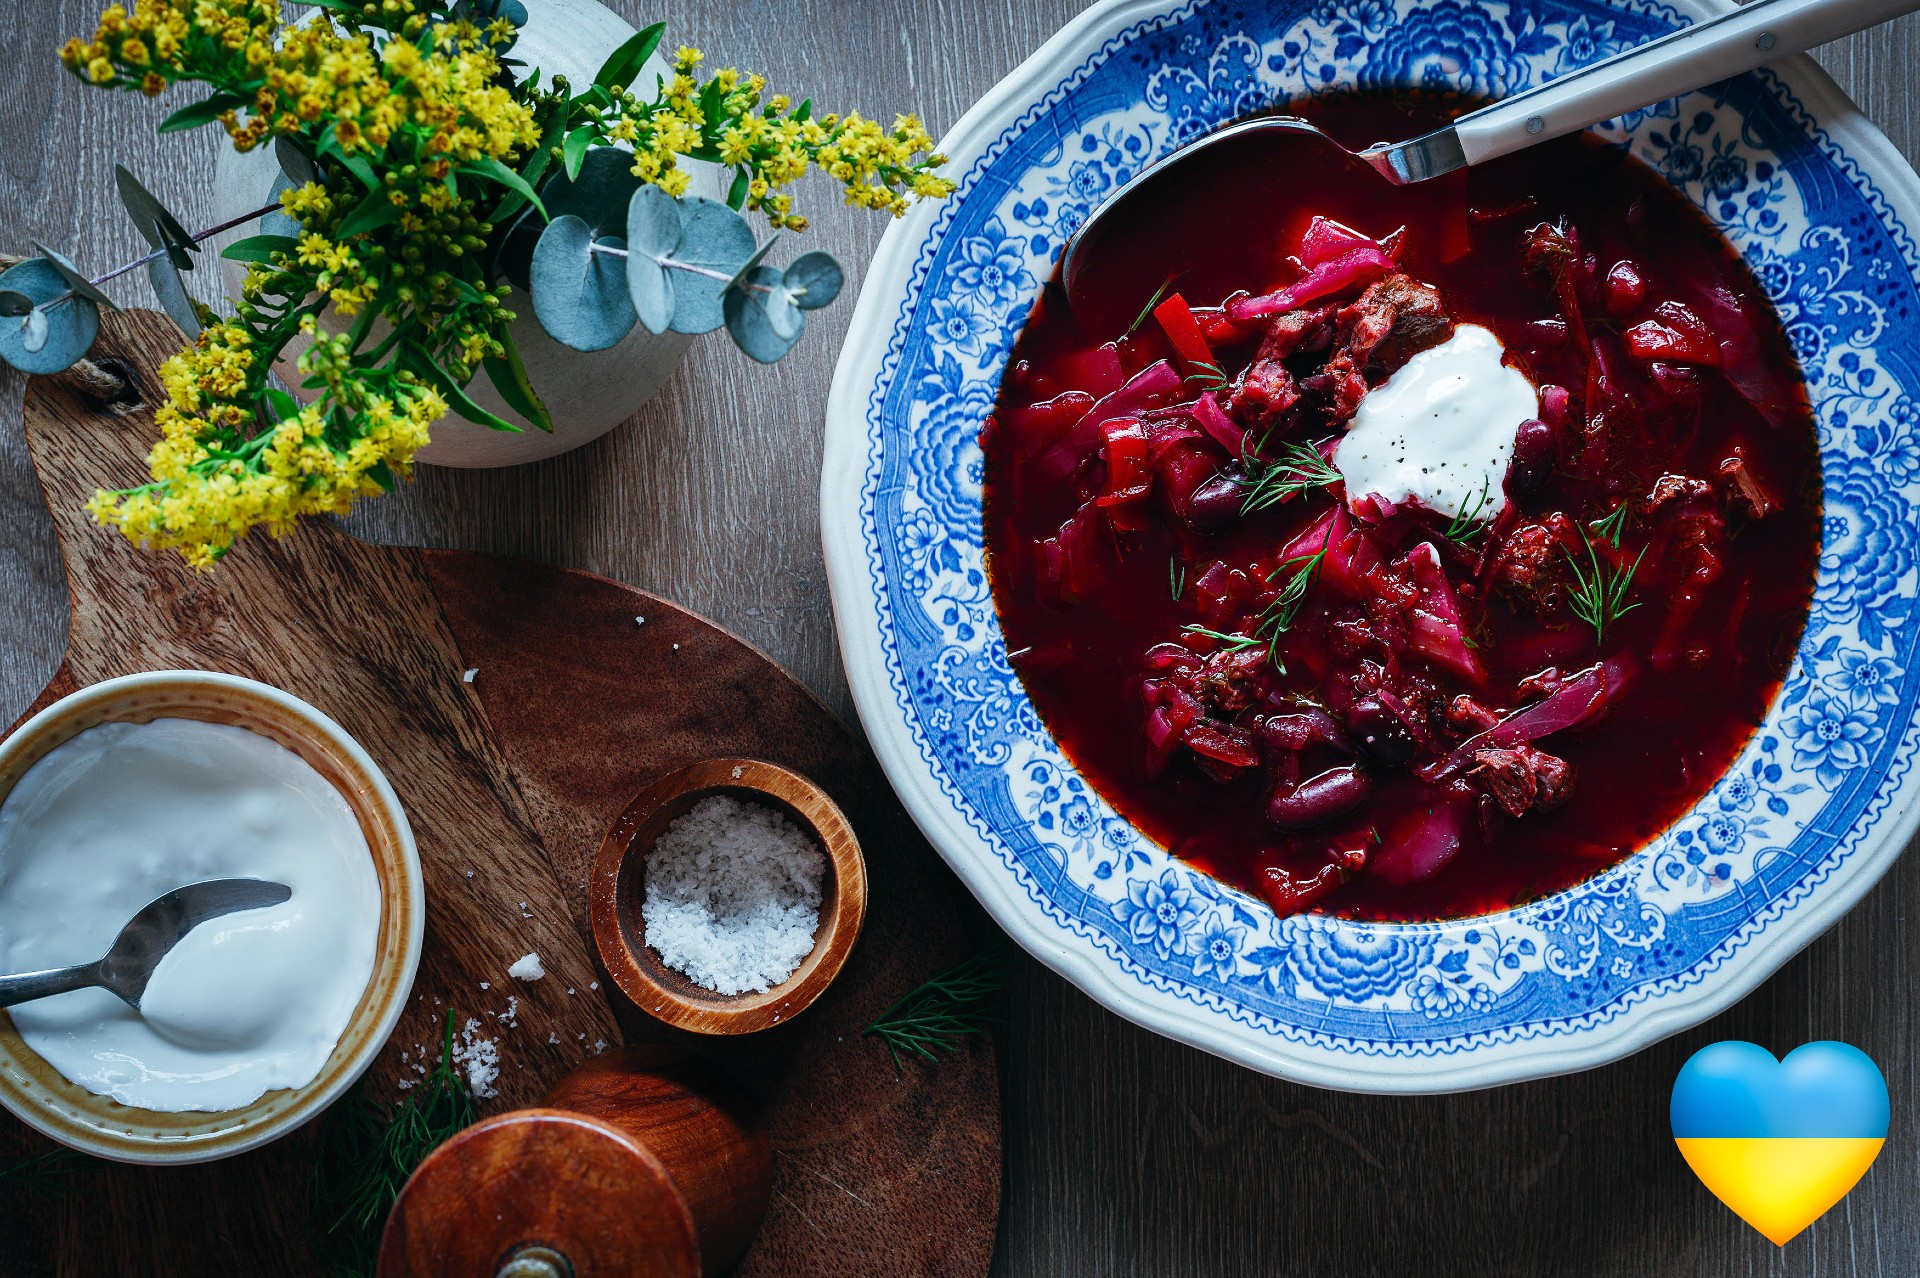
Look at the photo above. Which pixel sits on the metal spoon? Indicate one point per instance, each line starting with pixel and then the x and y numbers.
pixel 1759 32
pixel 145 940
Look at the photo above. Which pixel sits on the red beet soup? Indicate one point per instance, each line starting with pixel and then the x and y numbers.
pixel 1355 702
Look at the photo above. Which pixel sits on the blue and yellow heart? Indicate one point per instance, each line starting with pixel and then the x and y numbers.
pixel 1780 1141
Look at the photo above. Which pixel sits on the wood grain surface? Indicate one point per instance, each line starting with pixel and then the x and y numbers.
pixel 475 682
pixel 1126 1154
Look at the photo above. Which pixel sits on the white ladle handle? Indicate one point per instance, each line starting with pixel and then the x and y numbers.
pixel 1753 35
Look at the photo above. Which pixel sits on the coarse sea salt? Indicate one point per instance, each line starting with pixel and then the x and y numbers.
pixel 527 968
pixel 733 895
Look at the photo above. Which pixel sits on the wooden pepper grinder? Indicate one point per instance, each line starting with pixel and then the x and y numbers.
pixel 642 1163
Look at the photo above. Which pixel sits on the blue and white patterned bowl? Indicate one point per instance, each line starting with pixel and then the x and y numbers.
pixel 1812 814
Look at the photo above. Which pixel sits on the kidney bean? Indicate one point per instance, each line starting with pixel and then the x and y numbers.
pixel 1215 505
pixel 1319 799
pixel 1533 456
pixel 1382 737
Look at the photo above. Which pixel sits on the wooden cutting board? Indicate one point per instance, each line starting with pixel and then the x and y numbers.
pixel 510 781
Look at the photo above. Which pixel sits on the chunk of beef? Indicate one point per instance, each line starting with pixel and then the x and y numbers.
pixel 1394 319
pixel 1305 331
pixel 1522 778
pixel 1263 395
pixel 1229 680
pixel 1746 496
pixel 1529 566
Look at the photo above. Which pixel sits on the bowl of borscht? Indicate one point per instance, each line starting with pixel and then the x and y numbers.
pixel 1402 639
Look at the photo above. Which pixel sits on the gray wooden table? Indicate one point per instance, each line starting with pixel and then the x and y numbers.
pixel 1126 1154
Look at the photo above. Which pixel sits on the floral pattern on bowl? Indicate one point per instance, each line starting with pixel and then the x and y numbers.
pixel 1810 816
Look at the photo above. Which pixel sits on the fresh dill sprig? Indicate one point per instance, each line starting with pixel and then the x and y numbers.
pixel 1285 608
pixel 1176 577
pixel 1209 377
pixel 47 1175
pixel 367 1152
pixel 1158 295
pixel 1467 525
pixel 1600 589
pixel 937 1017
pixel 1613 525
pixel 1232 643
pixel 1300 468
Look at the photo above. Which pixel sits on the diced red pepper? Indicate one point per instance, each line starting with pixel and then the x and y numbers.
pixel 1222 743
pixel 1183 331
pixel 1129 474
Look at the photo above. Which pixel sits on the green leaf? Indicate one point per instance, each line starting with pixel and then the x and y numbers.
pixel 737 193
pixel 280 404
pixel 199 113
pixel 714 238
pixel 382 474
pixel 509 376
pixel 370 214
pixel 761 318
pixel 295 163
pixel 804 111
pixel 580 295
pixel 259 248
pixel 576 149
pixel 491 170
pixel 59 328
pixel 158 227
pixel 355 164
pixel 624 63
pixel 653 233
pixel 173 295
pixel 456 396
pixel 75 280
pixel 814 279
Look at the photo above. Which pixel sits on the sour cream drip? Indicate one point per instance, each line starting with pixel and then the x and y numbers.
pixel 1440 431
pixel 244 1004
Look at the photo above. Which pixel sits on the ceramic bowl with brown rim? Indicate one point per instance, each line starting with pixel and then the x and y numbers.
pixel 43 1099
pixel 618 890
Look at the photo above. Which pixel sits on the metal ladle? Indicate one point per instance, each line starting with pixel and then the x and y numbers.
pixel 1759 32
pixel 145 940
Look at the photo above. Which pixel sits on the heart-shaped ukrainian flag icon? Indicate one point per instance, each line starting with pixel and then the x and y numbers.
pixel 1780 1141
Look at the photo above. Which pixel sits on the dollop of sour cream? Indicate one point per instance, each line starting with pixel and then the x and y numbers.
pixel 244 1004
pixel 1440 431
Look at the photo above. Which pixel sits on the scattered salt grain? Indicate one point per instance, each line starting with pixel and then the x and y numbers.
pixel 639 621
pixel 468 676
pixel 479 1058
pixel 733 895
pixel 527 968
pixel 592 985
pixel 483 985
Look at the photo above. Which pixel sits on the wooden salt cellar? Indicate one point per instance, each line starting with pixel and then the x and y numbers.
pixel 643 1162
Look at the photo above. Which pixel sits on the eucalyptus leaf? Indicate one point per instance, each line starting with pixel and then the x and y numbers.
pixel 713 238
pixel 13 305
pixel 278 222
pixel 624 63
pixel 485 11
pixel 752 264
pixel 61 324
pixel 763 324
pixel 149 213
pixel 653 233
pixel 579 295
pixel 172 292
pixel 296 164
pixel 598 195
pixel 814 279
pixel 75 280
pixel 259 248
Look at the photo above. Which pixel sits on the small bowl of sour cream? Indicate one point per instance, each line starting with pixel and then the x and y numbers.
pixel 255 1021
